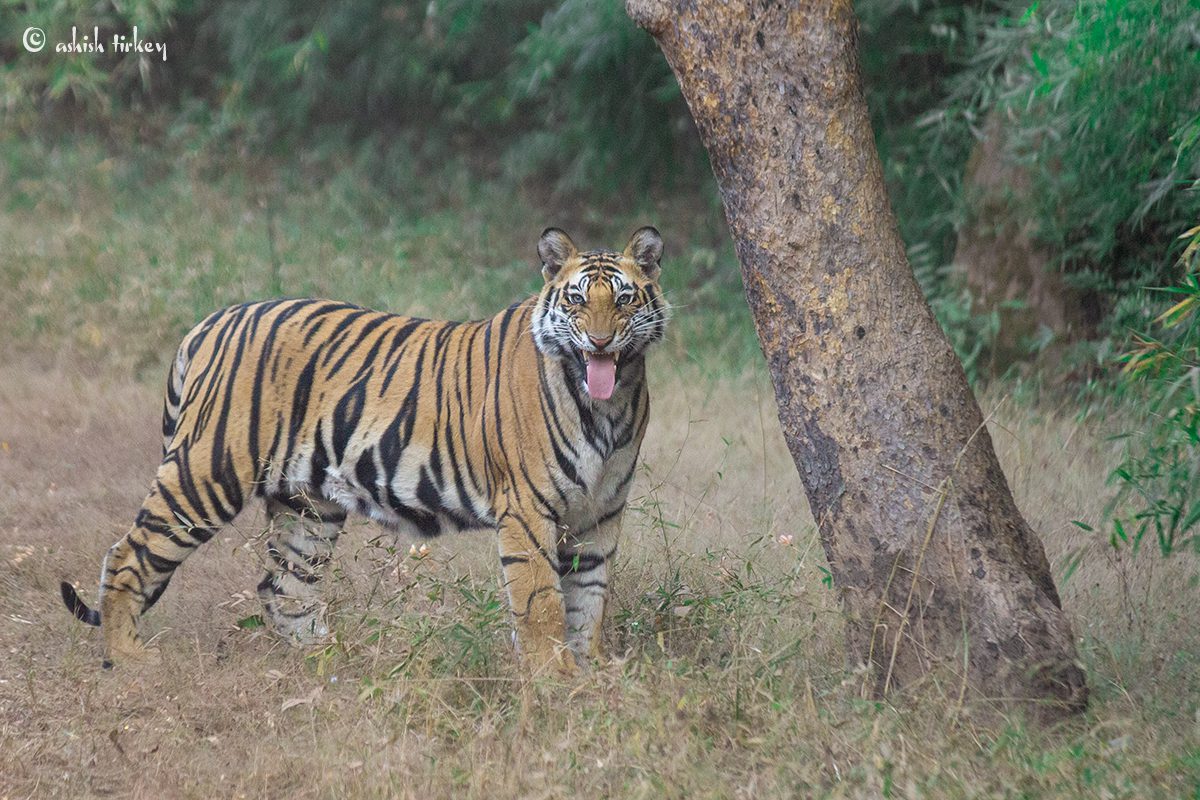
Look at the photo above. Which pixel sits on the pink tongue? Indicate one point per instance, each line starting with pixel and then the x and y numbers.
pixel 601 375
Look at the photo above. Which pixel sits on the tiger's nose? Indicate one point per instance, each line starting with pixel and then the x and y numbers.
pixel 600 342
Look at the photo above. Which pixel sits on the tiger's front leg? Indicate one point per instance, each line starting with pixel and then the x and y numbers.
pixel 529 563
pixel 583 570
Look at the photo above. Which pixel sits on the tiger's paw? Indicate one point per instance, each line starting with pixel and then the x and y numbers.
pixel 551 662
pixel 303 631
pixel 132 654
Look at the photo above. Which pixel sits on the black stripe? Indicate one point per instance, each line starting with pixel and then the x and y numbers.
pixel 319 315
pixel 595 584
pixel 426 524
pixel 146 556
pixel 550 407
pixel 566 465
pixel 152 598
pixel 532 596
pixel 346 416
pixel 340 333
pixel 182 518
pixel 549 509
pixel 529 534
pixel 223 514
pixel 227 478
pixel 403 334
pixel 268 347
pixel 427 495
pixel 289 566
pixel 319 464
pixel 396 436
pixel 582 562
pixel 367 475
pixel 191 495
pixel 363 334
pixel 300 397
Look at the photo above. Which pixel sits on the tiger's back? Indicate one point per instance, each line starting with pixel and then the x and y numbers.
pixel 376 412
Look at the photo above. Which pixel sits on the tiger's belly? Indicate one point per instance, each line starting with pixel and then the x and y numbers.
pixel 414 492
pixel 411 480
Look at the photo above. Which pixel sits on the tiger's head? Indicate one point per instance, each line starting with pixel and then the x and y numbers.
pixel 599 307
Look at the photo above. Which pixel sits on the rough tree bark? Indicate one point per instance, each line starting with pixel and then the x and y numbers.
pixel 935 566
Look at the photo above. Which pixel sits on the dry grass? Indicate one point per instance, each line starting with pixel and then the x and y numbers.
pixel 729 682
pixel 729 679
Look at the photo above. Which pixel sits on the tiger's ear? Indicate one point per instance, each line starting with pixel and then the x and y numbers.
pixel 555 248
pixel 645 248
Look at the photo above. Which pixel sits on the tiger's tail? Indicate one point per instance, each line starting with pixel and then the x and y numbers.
pixel 76 606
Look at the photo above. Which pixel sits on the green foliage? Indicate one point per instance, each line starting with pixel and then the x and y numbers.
pixel 969 332
pixel 1096 103
pixel 165 243
pixel 1159 475
pixel 571 91
pixel 1104 97
pixel 599 102
pixel 289 73
pixel 251 622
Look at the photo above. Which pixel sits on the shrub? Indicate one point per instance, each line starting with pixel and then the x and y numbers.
pixel 1159 475
pixel 1095 97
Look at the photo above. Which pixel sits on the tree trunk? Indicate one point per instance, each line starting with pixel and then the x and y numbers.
pixel 935 566
pixel 1007 271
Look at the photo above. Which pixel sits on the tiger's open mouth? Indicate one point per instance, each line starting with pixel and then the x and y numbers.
pixel 601 373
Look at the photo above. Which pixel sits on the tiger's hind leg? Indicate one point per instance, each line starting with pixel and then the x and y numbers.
pixel 180 513
pixel 303 534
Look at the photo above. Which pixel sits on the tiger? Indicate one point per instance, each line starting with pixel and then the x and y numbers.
pixel 528 423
